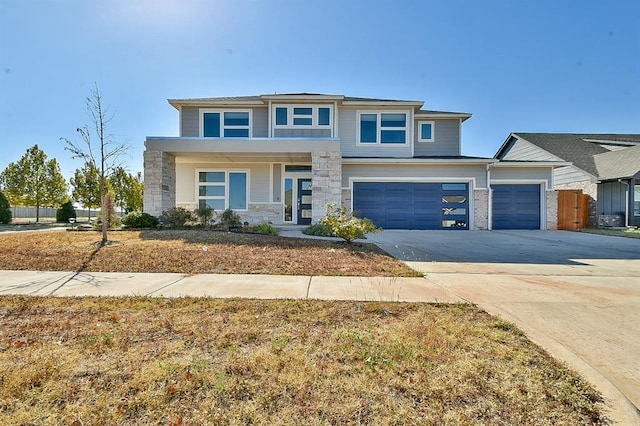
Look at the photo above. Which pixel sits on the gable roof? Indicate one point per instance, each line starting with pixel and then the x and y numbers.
pixel 618 164
pixel 578 148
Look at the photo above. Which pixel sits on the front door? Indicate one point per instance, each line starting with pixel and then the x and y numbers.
pixel 304 201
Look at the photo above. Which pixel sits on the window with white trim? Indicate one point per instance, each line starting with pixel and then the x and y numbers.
pixel 225 124
pixel 426 130
pixel 382 128
pixel 222 189
pixel 302 116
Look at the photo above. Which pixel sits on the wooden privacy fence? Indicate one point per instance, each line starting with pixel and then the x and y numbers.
pixel 573 209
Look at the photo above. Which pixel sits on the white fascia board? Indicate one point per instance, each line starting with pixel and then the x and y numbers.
pixel 177 103
pixel 383 103
pixel 463 117
pixel 553 164
pixel 302 97
pixel 417 161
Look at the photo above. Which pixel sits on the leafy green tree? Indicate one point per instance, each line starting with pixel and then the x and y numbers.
pixel 34 181
pixel 5 209
pixel 128 190
pixel 85 185
pixel 102 150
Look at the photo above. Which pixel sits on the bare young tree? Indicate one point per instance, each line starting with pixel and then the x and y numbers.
pixel 102 151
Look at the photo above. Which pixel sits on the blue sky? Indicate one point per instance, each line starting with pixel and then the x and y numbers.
pixel 538 66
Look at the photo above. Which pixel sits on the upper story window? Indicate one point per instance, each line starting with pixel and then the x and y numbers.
pixel 302 116
pixel 225 124
pixel 382 128
pixel 426 131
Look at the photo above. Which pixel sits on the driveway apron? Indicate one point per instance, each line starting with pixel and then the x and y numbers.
pixel 575 294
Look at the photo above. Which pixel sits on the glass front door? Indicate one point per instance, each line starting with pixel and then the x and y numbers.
pixel 304 202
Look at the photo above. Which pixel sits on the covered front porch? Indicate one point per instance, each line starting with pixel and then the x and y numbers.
pixel 283 185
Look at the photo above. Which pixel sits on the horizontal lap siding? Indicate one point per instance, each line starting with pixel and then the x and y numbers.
pixel 347 128
pixel 409 171
pixel 190 126
pixel 569 175
pixel 302 133
pixel 260 123
pixel 446 139
pixel 523 150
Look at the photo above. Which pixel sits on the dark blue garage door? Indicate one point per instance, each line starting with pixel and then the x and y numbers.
pixel 395 205
pixel 516 206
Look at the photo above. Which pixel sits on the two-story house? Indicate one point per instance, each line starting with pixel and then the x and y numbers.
pixel 282 158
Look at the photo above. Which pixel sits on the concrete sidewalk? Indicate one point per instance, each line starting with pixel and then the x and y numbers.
pixel 37 283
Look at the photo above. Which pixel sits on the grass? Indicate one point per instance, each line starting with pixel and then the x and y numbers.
pixel 186 361
pixel 194 251
pixel 617 232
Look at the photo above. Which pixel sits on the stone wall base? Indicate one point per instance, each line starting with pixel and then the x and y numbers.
pixel 481 209
pixel 552 210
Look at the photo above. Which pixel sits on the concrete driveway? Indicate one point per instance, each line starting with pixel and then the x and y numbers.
pixel 575 294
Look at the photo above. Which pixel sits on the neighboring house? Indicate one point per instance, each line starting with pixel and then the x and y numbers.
pixel 604 166
pixel 282 158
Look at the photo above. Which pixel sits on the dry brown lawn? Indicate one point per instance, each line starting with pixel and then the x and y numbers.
pixel 138 361
pixel 193 251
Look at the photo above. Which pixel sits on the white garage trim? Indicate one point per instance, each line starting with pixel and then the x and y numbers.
pixel 543 196
pixel 469 180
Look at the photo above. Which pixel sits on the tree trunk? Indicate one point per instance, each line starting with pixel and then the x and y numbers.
pixel 105 221
pixel 37 213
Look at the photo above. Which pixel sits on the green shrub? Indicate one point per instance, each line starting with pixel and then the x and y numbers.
pixel 265 228
pixel 176 217
pixel 140 220
pixel 347 226
pixel 230 219
pixel 5 209
pixel 318 229
pixel 204 214
pixel 65 212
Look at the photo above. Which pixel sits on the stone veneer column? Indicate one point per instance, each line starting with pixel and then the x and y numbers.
pixel 481 208
pixel 326 181
pixel 159 182
pixel 552 210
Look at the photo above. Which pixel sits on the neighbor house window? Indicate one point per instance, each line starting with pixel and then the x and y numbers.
pixel 425 129
pixel 636 200
pixel 221 189
pixel 383 128
pixel 302 116
pixel 226 124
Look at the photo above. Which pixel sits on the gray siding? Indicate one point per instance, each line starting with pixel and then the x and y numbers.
pixel 347 125
pixel 446 139
pixel 409 171
pixel 569 175
pixel 277 181
pixel 611 198
pixel 523 150
pixel 190 126
pixel 260 123
pixel 522 173
pixel 302 133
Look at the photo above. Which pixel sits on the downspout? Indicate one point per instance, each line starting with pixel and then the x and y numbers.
pixel 489 198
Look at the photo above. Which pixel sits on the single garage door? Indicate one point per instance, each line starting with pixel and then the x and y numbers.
pixel 516 206
pixel 411 205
